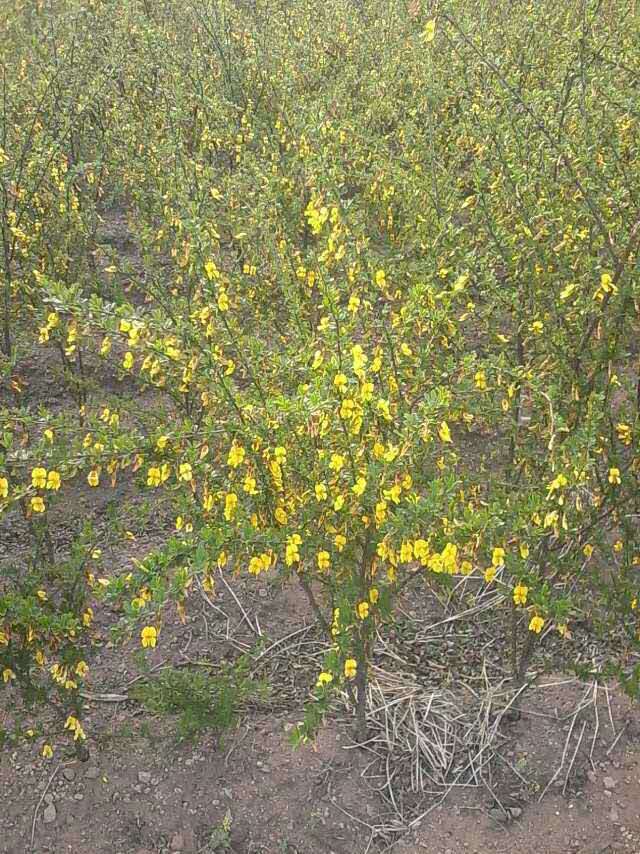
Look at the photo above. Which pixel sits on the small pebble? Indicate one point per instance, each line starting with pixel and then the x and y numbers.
pixel 498 815
pixel 49 814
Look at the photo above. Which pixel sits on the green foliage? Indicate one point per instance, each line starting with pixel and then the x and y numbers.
pixel 372 316
pixel 200 700
pixel 220 836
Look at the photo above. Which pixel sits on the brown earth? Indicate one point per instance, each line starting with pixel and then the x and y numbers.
pixel 142 791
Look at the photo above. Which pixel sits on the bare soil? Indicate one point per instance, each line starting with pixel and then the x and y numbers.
pixel 143 791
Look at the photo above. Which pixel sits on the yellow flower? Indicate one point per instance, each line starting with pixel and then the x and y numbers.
pixel 4 487
pixel 256 566
pixel 480 379
pixel 39 478
pixel 53 480
pixel 607 286
pixel 249 485
pixel 324 561
pixel 381 512
pixel 93 478
pixel 230 505
pixel 363 610
pixel 337 462
pixel 292 555
pixel 394 494
pixel 497 558
pixel 350 668
pixel 324 679
pixel 435 563
pixel 347 408
pixel 374 595
pixel 360 485
pixel 340 542
pixel 557 483
pixel 429 32
pixel 185 472
pixel 37 504
pixel 223 300
pixel 320 490
pixel 624 433
pixel 236 456
pixel 75 726
pixel 520 593
pixel 211 270
pixel 338 504
pixel 524 551
pixel 153 476
pixel 281 516
pixel 47 751
pixel 383 406
pixel 406 552
pixel 359 358
pixel 340 382
pixel 366 392
pixel 82 668
pixel 280 454
pixel 490 574
pixel 587 551
pixel 450 558
pixel 161 444
pixel 444 432
pixel 149 636
pixel 8 674
pixel 536 624
pixel 127 362
pixel 421 549
pixel 614 476
pixel 618 546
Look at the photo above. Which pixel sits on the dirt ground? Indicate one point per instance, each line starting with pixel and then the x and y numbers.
pixel 143 792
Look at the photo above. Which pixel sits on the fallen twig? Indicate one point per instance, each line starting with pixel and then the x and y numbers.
pixel 254 629
pixel 42 797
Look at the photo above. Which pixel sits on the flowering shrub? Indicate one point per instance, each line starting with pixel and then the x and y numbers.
pixel 387 297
